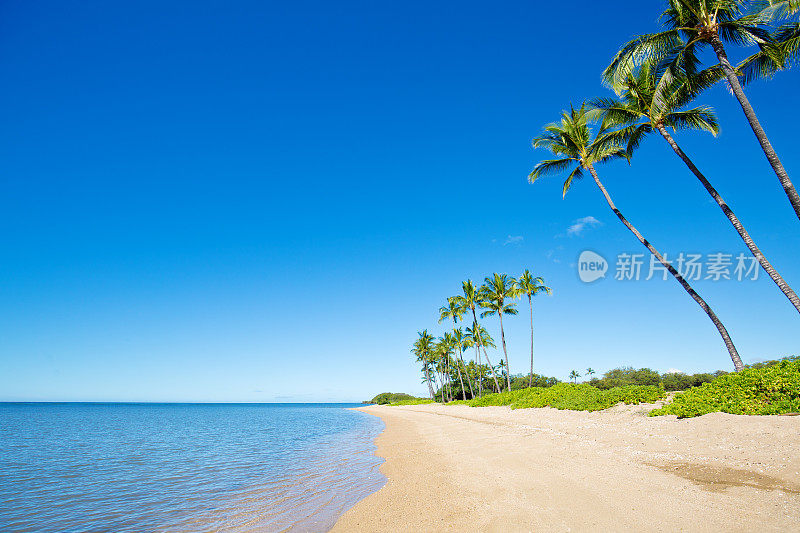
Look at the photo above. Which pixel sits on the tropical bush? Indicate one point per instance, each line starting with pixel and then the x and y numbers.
pixel 391 397
pixel 581 397
pixel 412 401
pixel 768 390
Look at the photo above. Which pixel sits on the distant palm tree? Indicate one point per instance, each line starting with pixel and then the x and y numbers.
pixel 651 100
pixel 459 341
pixel 423 349
pixel 454 310
pixel 478 336
pixel 448 345
pixel 497 290
pixel 574 376
pixel 530 286
pixel 589 372
pixel 470 301
pixel 691 25
pixel 572 140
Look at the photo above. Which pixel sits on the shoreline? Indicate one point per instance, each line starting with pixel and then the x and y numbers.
pixel 456 468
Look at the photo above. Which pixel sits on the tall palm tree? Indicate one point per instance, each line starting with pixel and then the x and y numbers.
pixel 690 26
pixel 497 291
pixel 478 336
pixel 423 349
pixel 574 376
pixel 458 341
pixel 530 286
pixel 572 140
pixel 453 310
pixel 472 299
pixel 652 99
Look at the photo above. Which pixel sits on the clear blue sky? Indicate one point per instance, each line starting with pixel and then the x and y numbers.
pixel 260 201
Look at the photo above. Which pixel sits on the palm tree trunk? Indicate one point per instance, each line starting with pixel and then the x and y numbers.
pixel 751 245
pixel 530 304
pixel 460 379
pixel 737 362
pixel 761 135
pixel 478 370
pixel 428 380
pixel 485 354
pixel 505 352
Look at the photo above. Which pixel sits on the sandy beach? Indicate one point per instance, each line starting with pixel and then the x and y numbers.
pixel 460 468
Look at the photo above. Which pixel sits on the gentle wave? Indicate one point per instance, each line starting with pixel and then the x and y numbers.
pixel 176 468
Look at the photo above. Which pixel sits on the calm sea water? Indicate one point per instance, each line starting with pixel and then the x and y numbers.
pixel 183 467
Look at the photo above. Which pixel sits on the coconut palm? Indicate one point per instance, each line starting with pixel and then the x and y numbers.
pixel 572 140
pixel 497 291
pixel 651 100
pixel 459 342
pixel 589 372
pixel 530 286
pixel 448 348
pixel 478 337
pixel 453 310
pixel 423 349
pixel 690 26
pixel 574 376
pixel 470 301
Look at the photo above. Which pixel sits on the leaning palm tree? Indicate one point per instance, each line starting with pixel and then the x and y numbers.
pixel 470 301
pixel 690 26
pixel 652 99
pixel 574 376
pixel 530 286
pixel 423 349
pixel 497 291
pixel 572 140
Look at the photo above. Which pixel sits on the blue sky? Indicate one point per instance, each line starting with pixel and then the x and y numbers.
pixel 259 201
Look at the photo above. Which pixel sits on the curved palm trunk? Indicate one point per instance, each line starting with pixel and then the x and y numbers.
pixel 485 354
pixel 478 370
pixel 530 304
pixel 460 379
pixel 737 362
pixel 505 352
pixel 751 245
pixel 755 125
pixel 428 380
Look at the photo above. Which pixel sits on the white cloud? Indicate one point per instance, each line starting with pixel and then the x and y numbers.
pixel 581 224
pixel 513 239
pixel 674 371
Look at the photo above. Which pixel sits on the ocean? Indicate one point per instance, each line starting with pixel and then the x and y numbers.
pixel 183 467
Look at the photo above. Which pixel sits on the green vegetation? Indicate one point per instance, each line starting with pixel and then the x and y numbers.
pixel 414 401
pixel 569 396
pixel 391 397
pixel 767 390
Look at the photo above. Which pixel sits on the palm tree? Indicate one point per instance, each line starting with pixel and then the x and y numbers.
pixel 473 298
pixel 589 372
pixel 478 336
pixel 459 342
pixel 651 100
pixel 691 25
pixel 574 376
pixel 497 290
pixel 572 140
pixel 448 343
pixel 423 349
pixel 454 310
pixel 531 286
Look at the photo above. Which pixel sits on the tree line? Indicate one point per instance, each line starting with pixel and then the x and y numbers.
pixel 656 78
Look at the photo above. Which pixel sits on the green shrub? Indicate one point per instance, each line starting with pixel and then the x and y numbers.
pixel 581 397
pixel 391 397
pixel 413 401
pixel 767 390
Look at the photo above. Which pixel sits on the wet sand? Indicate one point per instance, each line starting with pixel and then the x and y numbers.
pixel 460 468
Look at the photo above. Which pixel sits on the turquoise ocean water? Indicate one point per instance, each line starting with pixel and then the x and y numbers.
pixel 183 467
